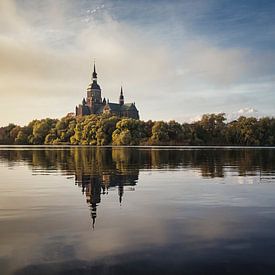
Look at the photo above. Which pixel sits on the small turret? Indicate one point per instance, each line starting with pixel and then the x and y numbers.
pixel 104 101
pixel 121 97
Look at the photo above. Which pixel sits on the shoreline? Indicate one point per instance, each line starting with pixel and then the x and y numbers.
pixel 141 146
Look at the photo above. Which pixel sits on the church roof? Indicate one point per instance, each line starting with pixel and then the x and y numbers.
pixel 128 106
pixel 100 109
pixel 114 106
pixel 125 107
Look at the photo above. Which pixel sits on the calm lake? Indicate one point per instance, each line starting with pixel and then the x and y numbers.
pixel 87 210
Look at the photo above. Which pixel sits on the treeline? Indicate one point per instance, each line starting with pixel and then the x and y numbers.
pixel 212 129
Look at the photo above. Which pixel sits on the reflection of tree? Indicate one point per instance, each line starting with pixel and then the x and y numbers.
pixel 109 162
pixel 96 169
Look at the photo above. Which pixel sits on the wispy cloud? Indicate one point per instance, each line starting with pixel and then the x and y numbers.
pixel 155 49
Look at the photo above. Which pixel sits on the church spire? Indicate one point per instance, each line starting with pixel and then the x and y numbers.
pixel 121 97
pixel 94 73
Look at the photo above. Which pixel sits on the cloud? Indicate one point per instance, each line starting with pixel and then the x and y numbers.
pixel 217 66
pixel 47 48
pixel 246 111
pixel 10 21
pixel 42 71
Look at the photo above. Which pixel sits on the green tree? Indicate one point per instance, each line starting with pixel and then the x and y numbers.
pixel 107 126
pixel 129 132
pixel 41 129
pixel 160 133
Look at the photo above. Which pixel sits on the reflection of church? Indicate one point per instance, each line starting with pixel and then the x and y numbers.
pixel 96 185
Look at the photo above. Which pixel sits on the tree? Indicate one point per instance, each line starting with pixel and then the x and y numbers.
pixel 247 130
pixel 22 138
pixel 211 128
pixel 160 133
pixel 175 132
pixel 7 134
pixel 129 132
pixel 107 126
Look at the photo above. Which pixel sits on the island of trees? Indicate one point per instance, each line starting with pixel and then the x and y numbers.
pixel 211 129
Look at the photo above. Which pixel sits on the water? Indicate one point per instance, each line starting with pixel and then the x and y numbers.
pixel 83 210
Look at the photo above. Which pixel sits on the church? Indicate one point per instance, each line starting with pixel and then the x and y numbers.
pixel 93 103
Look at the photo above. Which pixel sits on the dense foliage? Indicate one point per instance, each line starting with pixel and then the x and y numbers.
pixel 212 129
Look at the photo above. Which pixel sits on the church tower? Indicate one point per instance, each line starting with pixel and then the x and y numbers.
pixel 94 99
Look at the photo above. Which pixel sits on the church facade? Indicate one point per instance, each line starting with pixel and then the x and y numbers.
pixel 93 103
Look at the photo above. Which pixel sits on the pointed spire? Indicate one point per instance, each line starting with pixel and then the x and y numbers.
pixel 94 67
pixel 121 97
pixel 94 73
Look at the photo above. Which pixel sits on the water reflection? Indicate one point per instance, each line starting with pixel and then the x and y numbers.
pixel 94 186
pixel 188 214
pixel 128 161
pixel 96 170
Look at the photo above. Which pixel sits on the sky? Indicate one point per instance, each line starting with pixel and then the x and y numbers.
pixel 174 59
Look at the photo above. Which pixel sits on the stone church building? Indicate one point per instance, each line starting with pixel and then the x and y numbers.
pixel 93 103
